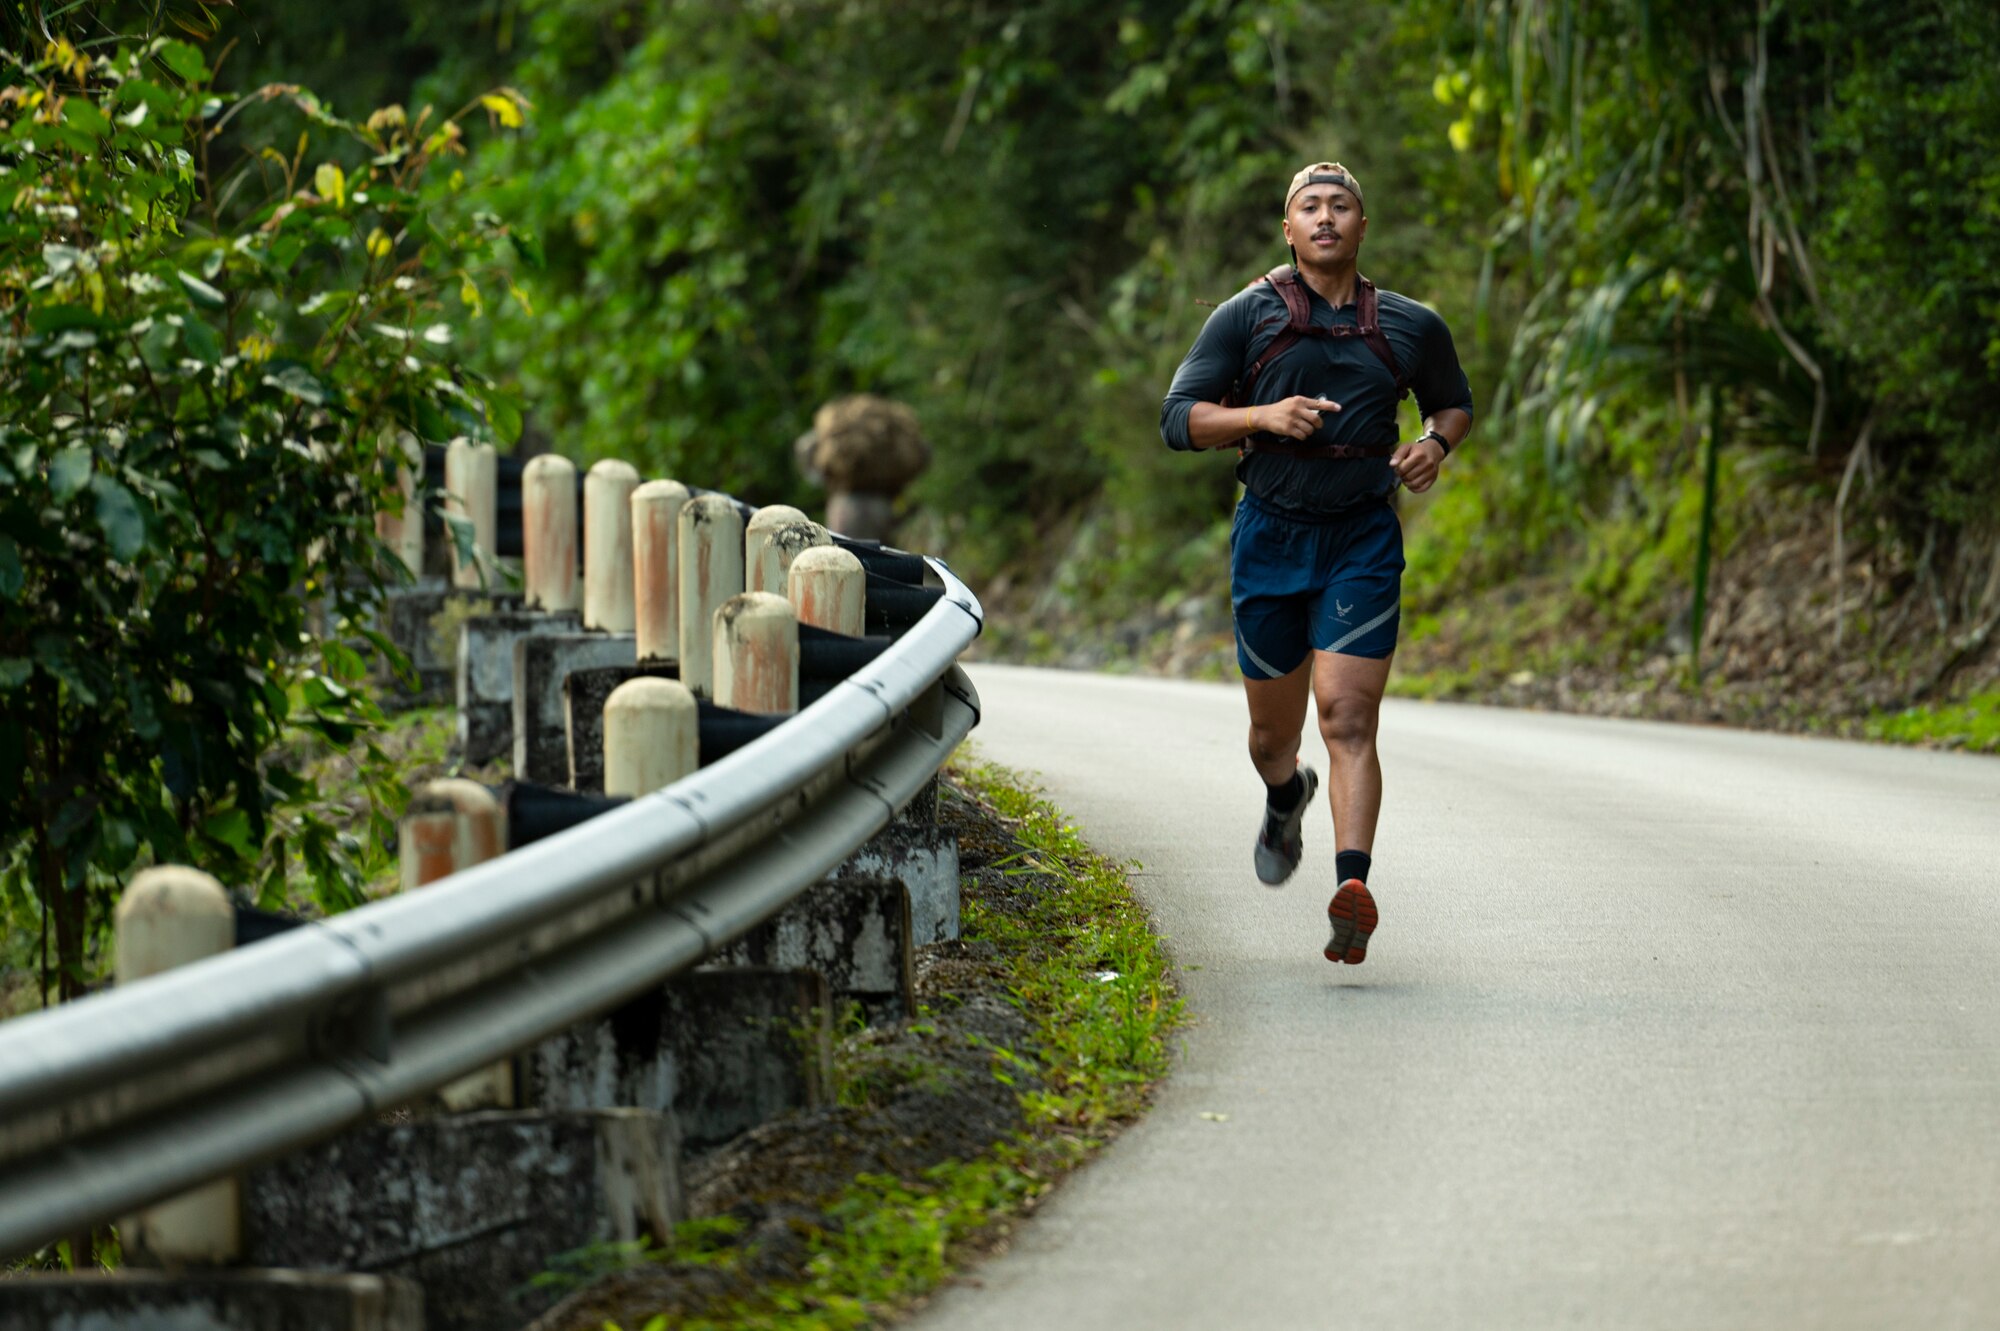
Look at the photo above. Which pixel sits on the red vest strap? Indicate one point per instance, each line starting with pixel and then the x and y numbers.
pixel 1285 280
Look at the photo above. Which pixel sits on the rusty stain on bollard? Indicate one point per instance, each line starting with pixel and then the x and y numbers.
pixel 404 532
pixel 607 546
pixel 170 916
pixel 774 559
pixel 829 589
pixel 656 591
pixel 652 736
pixel 757 654
pixel 453 824
pixel 757 533
pixel 472 492
pixel 450 824
pixel 711 571
pixel 548 533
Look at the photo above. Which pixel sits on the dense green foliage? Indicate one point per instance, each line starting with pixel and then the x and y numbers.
pixel 1007 215
pixel 208 349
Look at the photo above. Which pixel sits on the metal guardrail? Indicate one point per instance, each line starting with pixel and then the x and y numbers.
pixel 131 1096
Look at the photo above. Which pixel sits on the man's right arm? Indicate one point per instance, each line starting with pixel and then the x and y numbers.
pixel 1192 416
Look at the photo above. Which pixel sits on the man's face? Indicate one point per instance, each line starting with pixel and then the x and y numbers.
pixel 1325 226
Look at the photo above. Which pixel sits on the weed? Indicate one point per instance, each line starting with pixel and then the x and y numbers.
pixel 1085 967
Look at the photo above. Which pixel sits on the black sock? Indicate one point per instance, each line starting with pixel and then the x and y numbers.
pixel 1351 864
pixel 1285 796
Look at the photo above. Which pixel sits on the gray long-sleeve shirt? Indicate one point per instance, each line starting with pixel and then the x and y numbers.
pixel 1340 368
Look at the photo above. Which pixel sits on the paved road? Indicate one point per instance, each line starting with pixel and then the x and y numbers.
pixel 1663 1027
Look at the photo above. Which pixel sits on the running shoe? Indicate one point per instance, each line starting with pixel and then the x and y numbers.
pixel 1352 914
pixel 1279 842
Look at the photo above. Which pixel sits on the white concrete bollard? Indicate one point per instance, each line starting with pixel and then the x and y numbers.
pixel 711 571
pixel 769 572
pixel 757 532
pixel 404 532
pixel 757 654
pixel 548 533
pixel 168 917
pixel 607 546
pixel 656 584
pixel 652 735
pixel 450 825
pixel 472 492
pixel 829 589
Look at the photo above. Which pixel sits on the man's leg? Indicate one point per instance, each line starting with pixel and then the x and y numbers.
pixel 1277 715
pixel 1277 719
pixel 1349 693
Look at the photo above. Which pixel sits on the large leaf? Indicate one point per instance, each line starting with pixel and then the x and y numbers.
pixel 299 382
pixel 83 116
pixel 185 61
pixel 119 514
pixel 69 472
pixel 200 292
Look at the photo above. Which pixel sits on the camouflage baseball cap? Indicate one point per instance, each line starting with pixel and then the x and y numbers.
pixel 1324 173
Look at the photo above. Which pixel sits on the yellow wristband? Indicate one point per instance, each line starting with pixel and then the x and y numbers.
pixel 1249 420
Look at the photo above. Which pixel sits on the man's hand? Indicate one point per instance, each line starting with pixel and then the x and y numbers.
pixel 1295 418
pixel 1417 463
pixel 1213 426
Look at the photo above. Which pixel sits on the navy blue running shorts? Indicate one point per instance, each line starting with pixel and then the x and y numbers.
pixel 1334 586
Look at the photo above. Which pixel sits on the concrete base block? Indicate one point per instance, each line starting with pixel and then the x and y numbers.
pixel 926 861
pixel 541 663
pixel 210 1301
pixel 584 694
pixel 854 930
pixel 724 1048
pixel 485 677
pixel 922 810
pixel 405 619
pixel 471 1206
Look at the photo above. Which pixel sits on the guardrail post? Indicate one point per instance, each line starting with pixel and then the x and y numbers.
pixel 472 492
pixel 453 824
pixel 757 654
pixel 711 571
pixel 829 589
pixel 652 736
pixel 404 532
pixel 781 547
pixel 656 600
pixel 170 916
pixel 607 548
pixel 548 533
pixel 757 533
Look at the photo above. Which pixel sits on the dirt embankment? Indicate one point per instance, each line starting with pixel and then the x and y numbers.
pixel 1792 640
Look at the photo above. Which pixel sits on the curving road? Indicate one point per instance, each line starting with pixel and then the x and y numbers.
pixel 1663 1027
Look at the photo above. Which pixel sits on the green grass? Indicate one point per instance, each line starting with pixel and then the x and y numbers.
pixel 1973 723
pixel 1099 1046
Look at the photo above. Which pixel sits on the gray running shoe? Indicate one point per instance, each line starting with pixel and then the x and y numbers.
pixel 1278 841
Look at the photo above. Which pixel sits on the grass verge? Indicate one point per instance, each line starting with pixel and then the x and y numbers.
pixel 1080 962
pixel 1972 724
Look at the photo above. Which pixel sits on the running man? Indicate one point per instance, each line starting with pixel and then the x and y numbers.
pixel 1302 371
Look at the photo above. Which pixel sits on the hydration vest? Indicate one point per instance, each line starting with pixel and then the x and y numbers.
pixel 1284 280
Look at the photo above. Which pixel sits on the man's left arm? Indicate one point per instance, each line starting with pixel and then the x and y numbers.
pixel 1445 398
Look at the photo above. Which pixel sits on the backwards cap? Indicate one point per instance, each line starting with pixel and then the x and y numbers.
pixel 1324 173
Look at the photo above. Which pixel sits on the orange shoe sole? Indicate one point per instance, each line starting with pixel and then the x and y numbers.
pixel 1353 916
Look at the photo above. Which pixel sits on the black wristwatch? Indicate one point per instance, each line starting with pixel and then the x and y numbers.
pixel 1443 442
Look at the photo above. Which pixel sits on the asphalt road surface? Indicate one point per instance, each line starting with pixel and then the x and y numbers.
pixel 1663 1027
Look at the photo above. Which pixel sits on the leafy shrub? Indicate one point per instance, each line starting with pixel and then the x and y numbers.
pixel 206 355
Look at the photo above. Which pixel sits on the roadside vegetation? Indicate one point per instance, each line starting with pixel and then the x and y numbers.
pixel 1045 1026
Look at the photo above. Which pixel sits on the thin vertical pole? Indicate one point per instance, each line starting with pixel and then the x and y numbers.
pixel 1701 550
